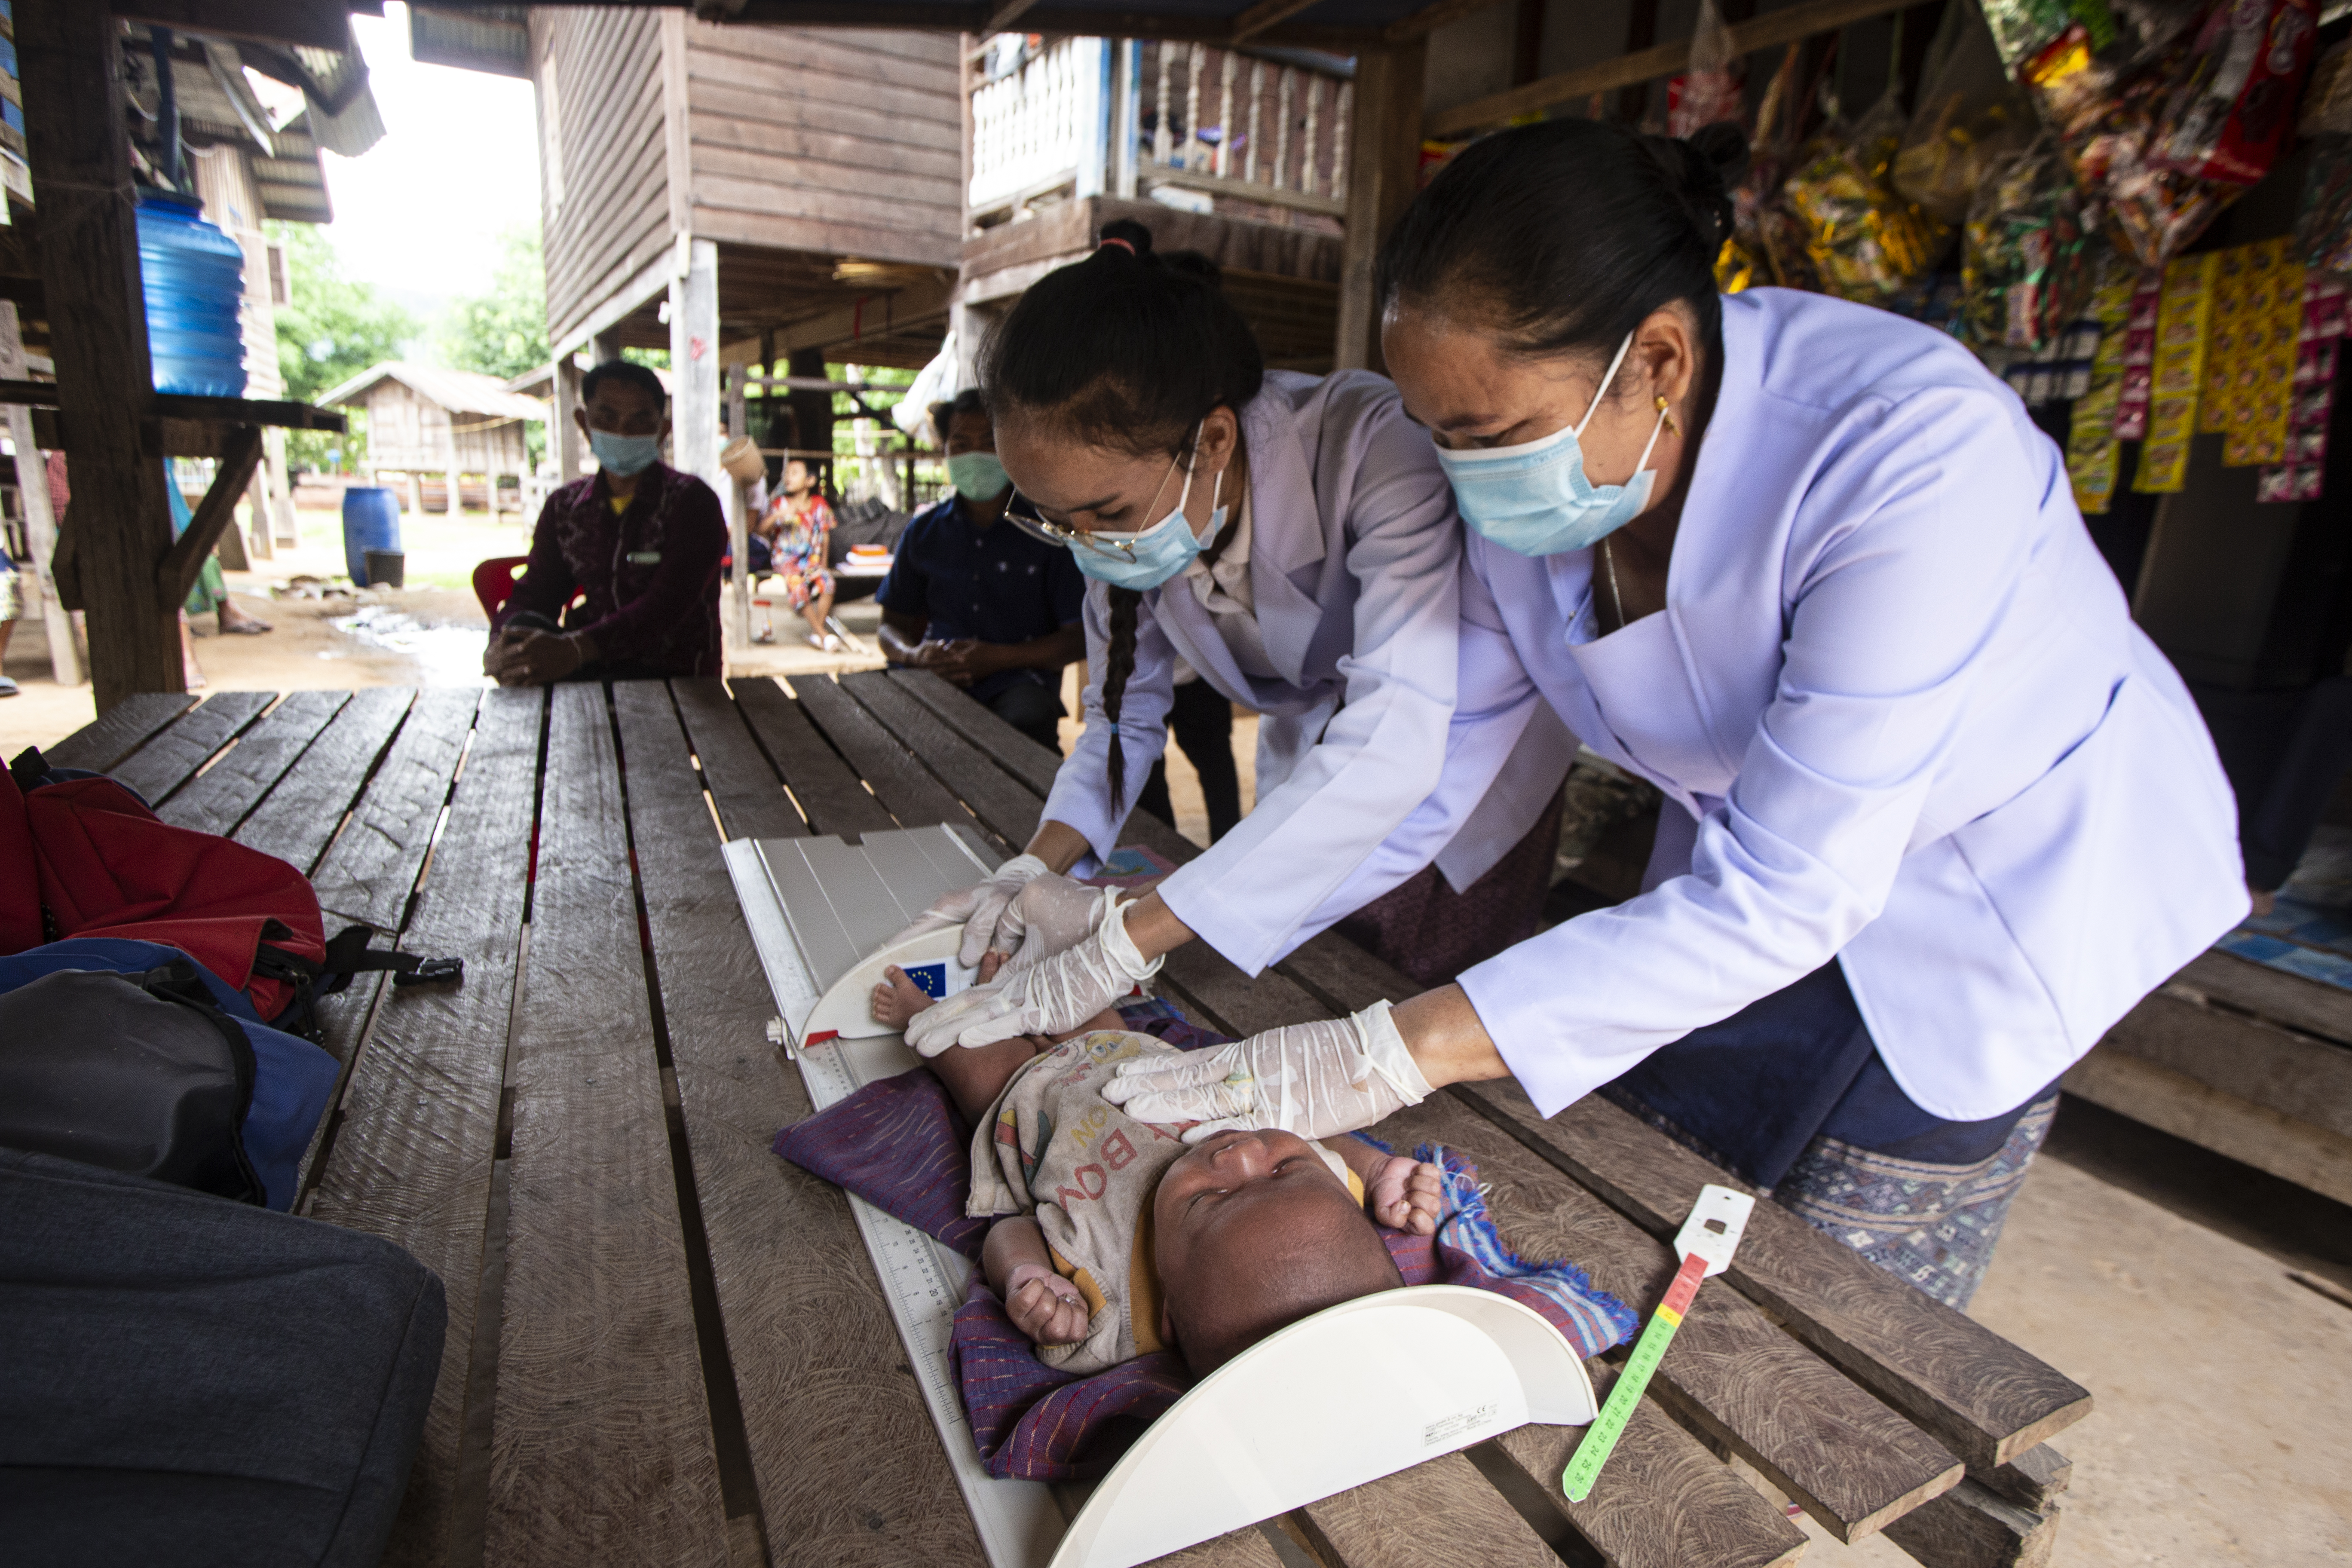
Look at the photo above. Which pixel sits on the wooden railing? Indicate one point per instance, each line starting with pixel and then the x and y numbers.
pixel 1244 132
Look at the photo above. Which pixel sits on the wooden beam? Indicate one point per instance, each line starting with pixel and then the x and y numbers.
pixel 320 24
pixel 1266 13
pixel 78 148
pixel 1429 19
pixel 1784 26
pixel 177 572
pixel 1004 16
pixel 1383 173
pixel 1969 1526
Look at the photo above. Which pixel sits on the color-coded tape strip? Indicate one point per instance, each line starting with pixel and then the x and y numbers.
pixel 1601 1437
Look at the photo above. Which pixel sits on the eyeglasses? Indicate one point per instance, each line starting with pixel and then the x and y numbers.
pixel 1023 514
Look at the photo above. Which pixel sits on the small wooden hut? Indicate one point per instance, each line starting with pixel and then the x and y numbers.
pixel 426 422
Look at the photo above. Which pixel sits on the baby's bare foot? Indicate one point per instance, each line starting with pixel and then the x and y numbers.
pixel 898 999
pixel 991 963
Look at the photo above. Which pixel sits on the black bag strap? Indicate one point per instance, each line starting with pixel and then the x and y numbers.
pixel 348 953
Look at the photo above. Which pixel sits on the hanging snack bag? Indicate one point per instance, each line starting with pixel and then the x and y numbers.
pixel 2028 261
pixel 2323 231
pixel 2231 110
pixel 1970 118
pixel 1710 91
pixel 1866 239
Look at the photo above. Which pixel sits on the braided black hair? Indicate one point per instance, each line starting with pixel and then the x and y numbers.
pixel 1565 235
pixel 1129 349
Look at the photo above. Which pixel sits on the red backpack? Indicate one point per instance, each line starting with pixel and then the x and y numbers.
pixel 82 855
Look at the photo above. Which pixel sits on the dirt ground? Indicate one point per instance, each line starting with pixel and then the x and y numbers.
pixel 2161 1277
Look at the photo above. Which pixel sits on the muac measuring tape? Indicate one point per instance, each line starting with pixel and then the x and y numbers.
pixel 1704 1244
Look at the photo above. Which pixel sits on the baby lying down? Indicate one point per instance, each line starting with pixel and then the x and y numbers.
pixel 1115 1239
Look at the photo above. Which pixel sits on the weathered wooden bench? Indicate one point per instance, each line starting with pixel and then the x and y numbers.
pixel 667 1345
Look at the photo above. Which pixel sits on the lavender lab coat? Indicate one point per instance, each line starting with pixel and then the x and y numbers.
pixel 1902 718
pixel 1354 572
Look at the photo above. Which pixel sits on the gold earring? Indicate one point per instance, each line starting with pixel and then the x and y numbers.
pixel 1667 416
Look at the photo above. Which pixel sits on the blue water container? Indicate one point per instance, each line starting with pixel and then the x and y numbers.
pixel 193 275
pixel 371 521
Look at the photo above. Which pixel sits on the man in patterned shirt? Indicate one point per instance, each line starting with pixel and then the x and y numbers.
pixel 640 543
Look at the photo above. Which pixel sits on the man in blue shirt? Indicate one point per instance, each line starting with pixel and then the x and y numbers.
pixel 978 601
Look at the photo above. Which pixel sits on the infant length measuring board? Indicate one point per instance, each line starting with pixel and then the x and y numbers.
pixel 1454 1366
pixel 817 907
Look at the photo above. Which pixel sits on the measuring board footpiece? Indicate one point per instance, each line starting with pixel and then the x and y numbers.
pixel 1706 1242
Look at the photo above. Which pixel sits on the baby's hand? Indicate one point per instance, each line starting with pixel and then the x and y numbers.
pixel 1044 1306
pixel 1406 1194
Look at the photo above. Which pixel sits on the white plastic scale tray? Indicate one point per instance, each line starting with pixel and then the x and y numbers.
pixel 1389 1379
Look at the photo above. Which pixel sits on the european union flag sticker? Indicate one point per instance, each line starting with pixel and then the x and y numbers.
pixel 931 979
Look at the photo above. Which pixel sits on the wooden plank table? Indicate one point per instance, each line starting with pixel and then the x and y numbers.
pixel 665 1345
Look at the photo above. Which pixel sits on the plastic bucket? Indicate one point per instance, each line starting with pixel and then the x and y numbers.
pixel 387 568
pixel 370 522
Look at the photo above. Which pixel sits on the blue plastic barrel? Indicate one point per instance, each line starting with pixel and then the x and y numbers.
pixel 193 275
pixel 371 521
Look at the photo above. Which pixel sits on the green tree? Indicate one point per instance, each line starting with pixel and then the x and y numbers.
pixel 332 328
pixel 502 331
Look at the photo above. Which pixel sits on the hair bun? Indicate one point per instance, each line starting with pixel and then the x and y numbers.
pixel 1125 234
pixel 1723 147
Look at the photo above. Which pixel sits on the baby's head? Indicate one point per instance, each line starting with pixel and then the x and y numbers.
pixel 1250 1232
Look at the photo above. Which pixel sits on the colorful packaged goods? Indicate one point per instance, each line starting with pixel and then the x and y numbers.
pixel 1971 118
pixel 2138 357
pixel 2091 440
pixel 1865 239
pixel 2234 107
pixel 2299 476
pixel 2251 354
pixel 2167 110
pixel 2027 259
pixel 1768 244
pixel 2184 319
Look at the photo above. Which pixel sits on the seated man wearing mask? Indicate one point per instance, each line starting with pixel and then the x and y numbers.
pixel 975 599
pixel 641 541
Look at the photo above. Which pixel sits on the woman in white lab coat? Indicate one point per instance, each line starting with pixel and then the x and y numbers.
pixel 1291 539
pixel 1936 814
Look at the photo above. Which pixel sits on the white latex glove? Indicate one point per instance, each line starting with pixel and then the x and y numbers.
pixel 1317 1079
pixel 1051 915
pixel 977 908
pixel 1050 997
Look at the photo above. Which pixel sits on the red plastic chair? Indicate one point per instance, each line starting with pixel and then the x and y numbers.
pixel 494 581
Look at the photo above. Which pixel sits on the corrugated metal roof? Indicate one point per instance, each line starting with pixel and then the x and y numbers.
pixel 459 391
pixel 491 39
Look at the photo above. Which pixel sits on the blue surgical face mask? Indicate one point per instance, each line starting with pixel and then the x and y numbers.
pixel 1536 500
pixel 1160 553
pixel 977 476
pixel 625 455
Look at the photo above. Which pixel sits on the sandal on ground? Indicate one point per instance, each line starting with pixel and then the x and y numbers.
pixel 8 687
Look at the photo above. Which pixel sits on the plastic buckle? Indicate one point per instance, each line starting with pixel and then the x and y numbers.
pixel 432 972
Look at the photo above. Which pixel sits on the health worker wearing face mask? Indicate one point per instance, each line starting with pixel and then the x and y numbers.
pixel 1937 813
pixel 1291 539
pixel 640 540
pixel 975 599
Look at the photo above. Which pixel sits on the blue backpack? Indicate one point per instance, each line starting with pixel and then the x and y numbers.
pixel 242 1115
